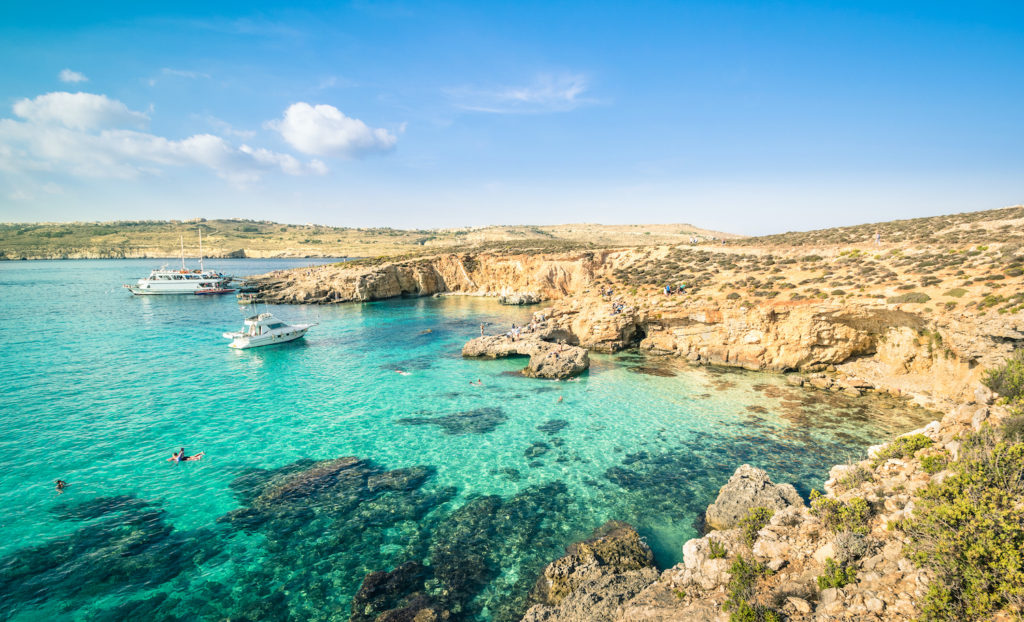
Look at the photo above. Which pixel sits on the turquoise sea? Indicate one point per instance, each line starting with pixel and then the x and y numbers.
pixel 461 492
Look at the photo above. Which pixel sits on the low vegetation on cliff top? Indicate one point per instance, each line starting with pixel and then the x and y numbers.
pixel 968 527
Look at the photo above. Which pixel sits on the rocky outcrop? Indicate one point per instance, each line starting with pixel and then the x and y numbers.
pixel 796 544
pixel 748 488
pixel 547 359
pixel 595 578
pixel 519 298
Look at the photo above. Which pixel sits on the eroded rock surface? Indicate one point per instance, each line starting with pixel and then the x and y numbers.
pixel 547 359
pixel 748 488
pixel 795 546
pixel 595 578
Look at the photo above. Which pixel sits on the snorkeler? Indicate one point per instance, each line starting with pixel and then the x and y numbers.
pixel 61 485
pixel 180 456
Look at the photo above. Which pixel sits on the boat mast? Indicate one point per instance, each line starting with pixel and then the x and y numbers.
pixel 181 239
pixel 201 249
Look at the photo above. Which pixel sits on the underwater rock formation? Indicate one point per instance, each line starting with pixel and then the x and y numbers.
pixel 476 421
pixel 129 547
pixel 748 488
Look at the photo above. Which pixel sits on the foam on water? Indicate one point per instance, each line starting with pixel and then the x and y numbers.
pixel 98 388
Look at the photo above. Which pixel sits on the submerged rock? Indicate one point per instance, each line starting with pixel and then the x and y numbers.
pixel 748 488
pixel 476 421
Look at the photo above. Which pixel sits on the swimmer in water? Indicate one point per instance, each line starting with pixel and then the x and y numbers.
pixel 560 398
pixel 61 485
pixel 180 456
pixel 399 371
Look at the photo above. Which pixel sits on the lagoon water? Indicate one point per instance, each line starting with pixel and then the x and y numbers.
pixel 98 388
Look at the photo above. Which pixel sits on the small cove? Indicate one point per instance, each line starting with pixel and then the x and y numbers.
pixel 100 387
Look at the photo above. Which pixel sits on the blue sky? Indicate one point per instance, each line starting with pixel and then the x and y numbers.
pixel 738 116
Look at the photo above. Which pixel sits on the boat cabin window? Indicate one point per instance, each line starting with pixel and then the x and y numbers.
pixel 275 325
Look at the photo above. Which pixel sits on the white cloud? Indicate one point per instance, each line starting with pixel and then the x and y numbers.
pixel 66 75
pixel 547 93
pixel 325 130
pixel 64 133
pixel 80 111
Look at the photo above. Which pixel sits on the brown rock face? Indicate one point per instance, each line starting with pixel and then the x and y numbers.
pixel 594 578
pixel 749 488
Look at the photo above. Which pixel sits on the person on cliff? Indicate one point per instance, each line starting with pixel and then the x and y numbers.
pixel 481 329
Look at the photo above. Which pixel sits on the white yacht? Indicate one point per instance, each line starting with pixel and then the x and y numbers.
pixel 264 330
pixel 183 281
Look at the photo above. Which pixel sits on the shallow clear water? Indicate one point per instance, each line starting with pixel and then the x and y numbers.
pixel 98 388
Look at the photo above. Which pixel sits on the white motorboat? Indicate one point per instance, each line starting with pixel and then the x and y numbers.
pixel 265 330
pixel 183 281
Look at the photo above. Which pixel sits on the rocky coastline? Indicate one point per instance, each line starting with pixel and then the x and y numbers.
pixel 791 546
pixel 931 345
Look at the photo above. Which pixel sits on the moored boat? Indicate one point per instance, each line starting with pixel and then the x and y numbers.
pixel 183 281
pixel 265 330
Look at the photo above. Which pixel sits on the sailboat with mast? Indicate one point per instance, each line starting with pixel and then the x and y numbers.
pixel 184 281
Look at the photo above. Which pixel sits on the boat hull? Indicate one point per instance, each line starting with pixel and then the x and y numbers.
pixel 246 342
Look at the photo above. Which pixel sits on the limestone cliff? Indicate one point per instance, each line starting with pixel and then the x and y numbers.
pixel 540 276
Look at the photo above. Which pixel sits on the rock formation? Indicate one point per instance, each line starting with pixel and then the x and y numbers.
pixel 793 548
pixel 595 578
pixel 748 488
pixel 547 359
pixel 519 298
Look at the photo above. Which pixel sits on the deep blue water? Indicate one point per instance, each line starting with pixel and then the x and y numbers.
pixel 98 388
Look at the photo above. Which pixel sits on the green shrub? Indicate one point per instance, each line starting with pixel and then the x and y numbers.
pixel 753 522
pixel 903 447
pixel 839 516
pixel 969 531
pixel 733 296
pixel 746 612
pixel 956 292
pixel 836 575
pixel 717 549
pixel 855 478
pixel 1013 429
pixel 743 577
pixel 1008 380
pixel 933 463
pixel 918 297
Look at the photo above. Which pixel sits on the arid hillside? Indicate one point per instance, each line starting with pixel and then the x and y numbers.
pixel 247 238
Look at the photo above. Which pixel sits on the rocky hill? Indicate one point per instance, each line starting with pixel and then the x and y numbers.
pixel 248 238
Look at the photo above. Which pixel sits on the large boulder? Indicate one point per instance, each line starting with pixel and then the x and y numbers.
pixel 748 488
pixel 558 362
pixel 595 579
pixel 520 298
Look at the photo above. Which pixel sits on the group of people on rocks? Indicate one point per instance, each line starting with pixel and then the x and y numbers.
pixel 679 289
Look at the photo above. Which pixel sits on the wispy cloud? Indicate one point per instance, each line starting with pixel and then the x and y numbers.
pixel 226 129
pixel 66 75
pixel 168 72
pixel 336 82
pixel 547 93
